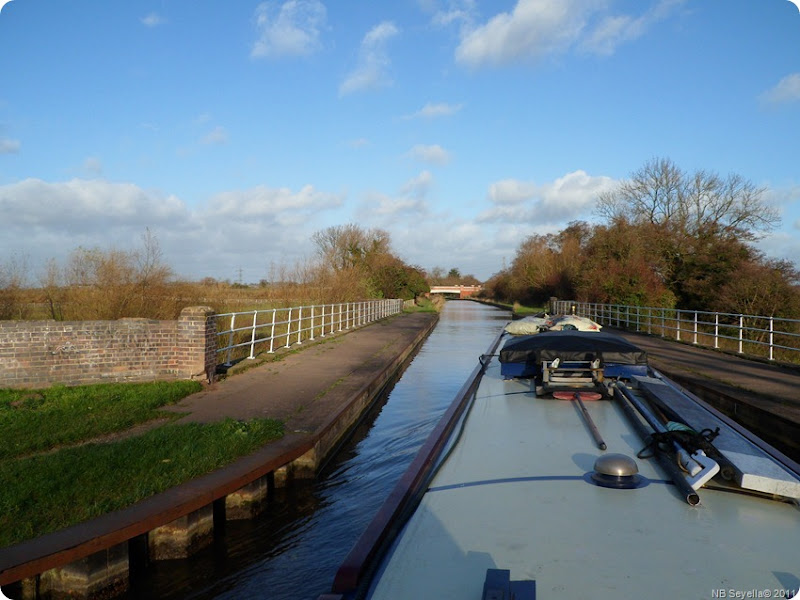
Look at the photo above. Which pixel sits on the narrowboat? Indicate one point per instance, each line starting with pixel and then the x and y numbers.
pixel 567 467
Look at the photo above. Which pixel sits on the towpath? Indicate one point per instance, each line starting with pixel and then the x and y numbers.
pixel 308 384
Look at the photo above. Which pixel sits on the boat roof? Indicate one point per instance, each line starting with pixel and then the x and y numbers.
pixel 516 492
pixel 572 345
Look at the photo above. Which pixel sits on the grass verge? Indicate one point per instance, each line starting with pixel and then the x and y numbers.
pixel 39 420
pixel 45 493
pixel 523 311
pixel 425 305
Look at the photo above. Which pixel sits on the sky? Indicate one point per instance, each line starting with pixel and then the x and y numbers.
pixel 233 130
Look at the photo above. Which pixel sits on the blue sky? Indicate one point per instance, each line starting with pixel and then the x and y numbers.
pixel 235 129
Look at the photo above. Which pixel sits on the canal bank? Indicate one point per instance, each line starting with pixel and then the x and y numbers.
pixel 320 393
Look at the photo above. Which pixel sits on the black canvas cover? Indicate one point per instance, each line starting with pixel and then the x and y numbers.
pixel 572 346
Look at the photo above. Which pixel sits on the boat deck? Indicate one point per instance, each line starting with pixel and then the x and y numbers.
pixel 515 493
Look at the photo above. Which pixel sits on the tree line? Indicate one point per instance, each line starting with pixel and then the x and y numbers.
pixel 350 263
pixel 666 238
pixel 354 263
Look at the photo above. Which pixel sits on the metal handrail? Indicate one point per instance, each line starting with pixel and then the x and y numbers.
pixel 295 324
pixel 748 335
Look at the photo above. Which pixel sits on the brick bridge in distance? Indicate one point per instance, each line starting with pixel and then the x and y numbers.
pixel 463 291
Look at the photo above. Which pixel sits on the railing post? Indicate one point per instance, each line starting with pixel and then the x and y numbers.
pixel 341 327
pixel 230 340
pixel 771 330
pixel 695 328
pixel 313 309
pixel 741 332
pixel 300 325
pixel 716 330
pixel 322 326
pixel 272 332
pixel 677 312
pixel 288 327
pixel 253 336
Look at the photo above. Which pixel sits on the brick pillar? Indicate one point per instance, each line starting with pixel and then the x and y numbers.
pixel 197 342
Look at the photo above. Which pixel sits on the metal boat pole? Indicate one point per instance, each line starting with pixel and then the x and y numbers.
pixel 589 421
pixel 675 474
pixel 598 439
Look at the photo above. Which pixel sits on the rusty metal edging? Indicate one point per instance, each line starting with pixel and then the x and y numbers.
pixel 386 524
pixel 35 556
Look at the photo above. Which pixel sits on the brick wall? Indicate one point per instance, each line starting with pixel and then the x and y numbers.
pixel 41 353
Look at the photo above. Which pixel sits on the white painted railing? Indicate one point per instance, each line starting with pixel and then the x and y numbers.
pixel 284 327
pixel 774 338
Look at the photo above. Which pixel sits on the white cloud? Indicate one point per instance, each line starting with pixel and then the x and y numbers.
pixel 153 20
pixel 248 228
pixel 289 29
pixel 271 204
pixel 81 205
pixel 387 208
pixel 783 196
pixel 445 241
pixel 93 165
pixel 787 90
pixel 410 202
pixel 372 71
pixel 448 12
pixel 418 186
pixel 434 154
pixel 569 197
pixel 535 29
pixel 430 111
pixel 216 137
pixel 511 191
pixel 8 146
pixel 781 245
pixel 611 32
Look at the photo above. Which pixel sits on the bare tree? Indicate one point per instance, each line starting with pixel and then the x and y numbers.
pixel 111 284
pixel 52 285
pixel 13 277
pixel 701 203
pixel 345 246
pixel 651 194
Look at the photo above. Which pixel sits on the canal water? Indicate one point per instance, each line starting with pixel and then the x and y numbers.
pixel 292 552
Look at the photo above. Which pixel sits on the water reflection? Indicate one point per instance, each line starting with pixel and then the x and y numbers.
pixel 293 550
